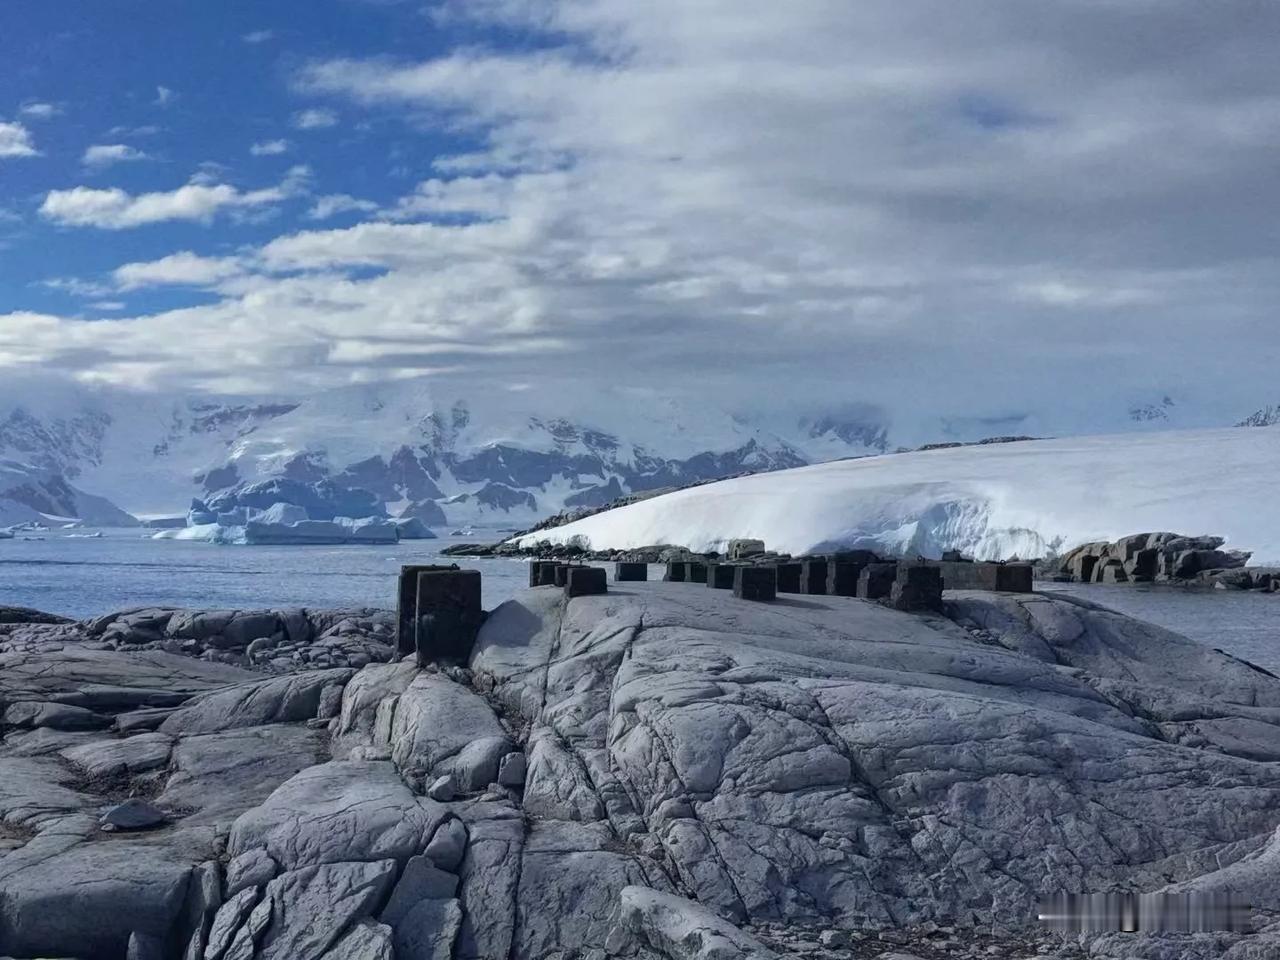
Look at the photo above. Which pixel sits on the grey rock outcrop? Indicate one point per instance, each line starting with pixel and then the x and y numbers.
pixel 661 773
pixel 1147 557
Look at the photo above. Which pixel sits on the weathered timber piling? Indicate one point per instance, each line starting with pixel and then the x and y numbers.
pixel 917 587
pixel 439 612
pixel 813 575
pixel 407 603
pixel 788 577
pixel 586 582
pixel 875 582
pixel 562 573
pixel 624 572
pixel 980 575
pixel 720 575
pixel 755 583
pixel 844 569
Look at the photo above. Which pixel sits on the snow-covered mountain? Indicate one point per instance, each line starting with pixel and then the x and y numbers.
pixel 490 457
pixel 992 501
pixel 31 494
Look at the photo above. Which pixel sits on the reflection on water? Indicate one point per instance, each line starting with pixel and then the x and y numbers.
pixel 1245 624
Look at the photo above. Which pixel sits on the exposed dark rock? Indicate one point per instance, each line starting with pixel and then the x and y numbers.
pixel 1147 557
pixel 27 615
pixel 133 815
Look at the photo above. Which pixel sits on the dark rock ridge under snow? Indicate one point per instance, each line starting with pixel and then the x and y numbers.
pixel 659 772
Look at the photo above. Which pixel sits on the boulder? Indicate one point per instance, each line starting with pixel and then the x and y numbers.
pixel 448 845
pixel 57 902
pixel 285 699
pixel 311 908
pixel 435 720
pixel 335 812
pixel 365 941
pixel 129 756
pixel 1110 571
pixel 429 930
pixel 253 868
pixel 673 927
pixel 133 814
pixel 420 880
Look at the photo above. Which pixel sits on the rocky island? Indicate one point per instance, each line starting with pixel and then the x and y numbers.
pixel 663 770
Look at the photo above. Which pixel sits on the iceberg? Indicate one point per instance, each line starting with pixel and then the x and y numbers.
pixel 411 528
pixel 336 531
pixel 288 523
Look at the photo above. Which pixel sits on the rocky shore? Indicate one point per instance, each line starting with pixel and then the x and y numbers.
pixel 1163 558
pixel 663 771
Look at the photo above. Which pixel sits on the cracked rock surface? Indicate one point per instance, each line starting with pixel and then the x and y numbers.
pixel 660 772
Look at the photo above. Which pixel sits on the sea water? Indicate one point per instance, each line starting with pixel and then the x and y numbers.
pixel 81 576
pixel 1243 623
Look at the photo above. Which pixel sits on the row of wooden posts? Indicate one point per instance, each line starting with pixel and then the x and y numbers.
pixel 439 608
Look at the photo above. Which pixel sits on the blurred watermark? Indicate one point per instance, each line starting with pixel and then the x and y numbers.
pixel 1146 912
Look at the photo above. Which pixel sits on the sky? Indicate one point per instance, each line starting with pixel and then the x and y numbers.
pixel 973 210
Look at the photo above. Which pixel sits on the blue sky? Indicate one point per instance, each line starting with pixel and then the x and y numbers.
pixel 874 199
pixel 226 71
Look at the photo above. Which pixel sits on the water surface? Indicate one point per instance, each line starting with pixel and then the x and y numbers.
pixel 125 568
pixel 1244 623
pixel 80 577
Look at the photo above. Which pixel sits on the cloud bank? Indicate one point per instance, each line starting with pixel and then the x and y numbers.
pixel 1062 209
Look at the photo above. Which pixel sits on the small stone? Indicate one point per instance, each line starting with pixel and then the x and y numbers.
pixel 837 939
pixel 512 769
pixel 443 789
pixel 253 868
pixel 448 845
pixel 133 814
pixel 421 880
pixel 143 947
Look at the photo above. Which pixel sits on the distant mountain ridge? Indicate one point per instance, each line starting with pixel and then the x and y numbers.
pixel 488 456
pixel 30 494
pixel 447 460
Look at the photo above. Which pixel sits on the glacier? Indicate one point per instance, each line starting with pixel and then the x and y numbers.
pixel 1027 499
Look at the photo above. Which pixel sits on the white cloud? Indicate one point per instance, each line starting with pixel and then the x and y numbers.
pixel 40 111
pixel 178 269
pixel 164 96
pixel 15 141
pixel 105 154
pixel 315 119
pixel 258 36
pixel 147 130
pixel 77 287
pixel 336 203
pixel 779 201
pixel 269 148
pixel 115 209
